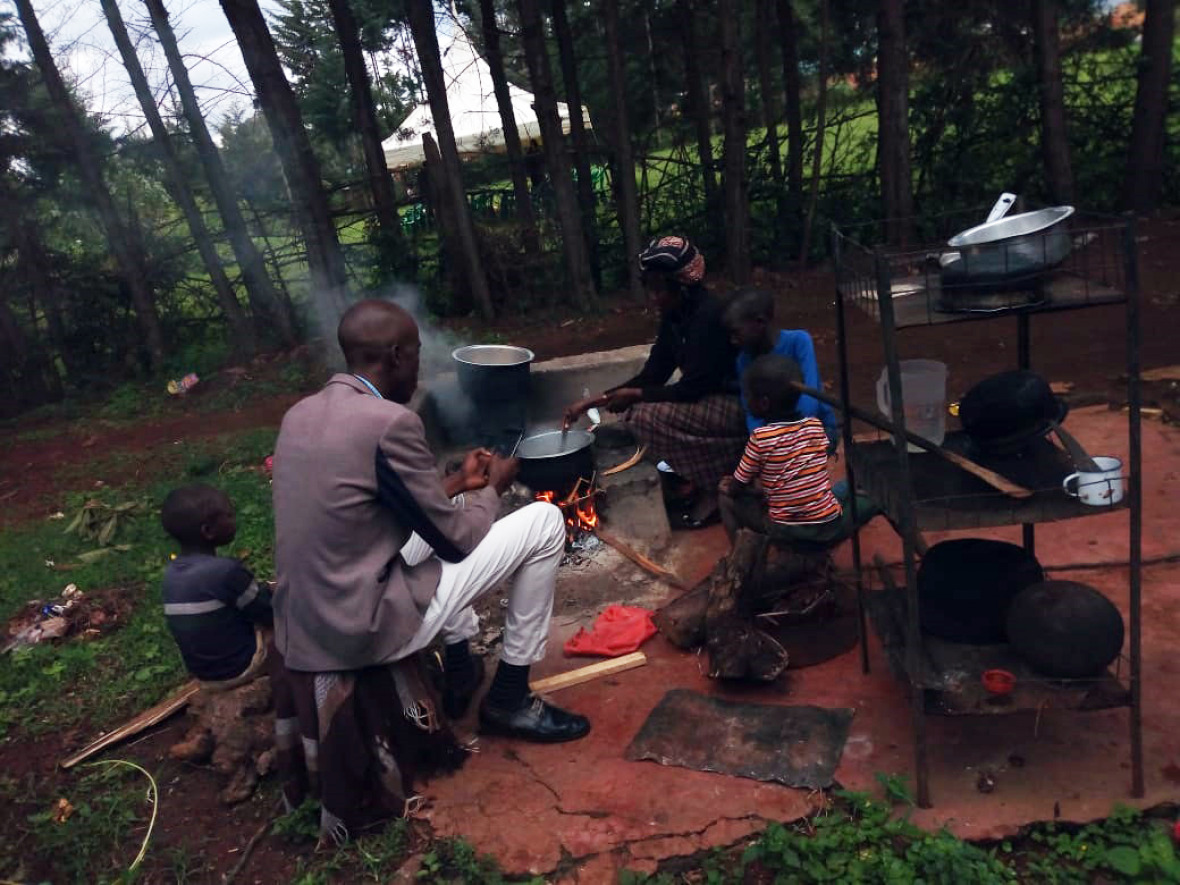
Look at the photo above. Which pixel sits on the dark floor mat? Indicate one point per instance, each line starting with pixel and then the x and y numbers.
pixel 795 746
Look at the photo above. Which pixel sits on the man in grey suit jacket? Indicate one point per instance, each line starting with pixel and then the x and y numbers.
pixel 376 555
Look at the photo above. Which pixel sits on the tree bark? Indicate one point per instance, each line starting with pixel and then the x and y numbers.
pixel 793 89
pixel 1143 183
pixel 264 301
pixel 893 86
pixel 763 54
pixel 301 169
pixel 443 204
pixel 520 186
pixel 698 105
pixel 241 331
pixel 37 266
pixel 733 112
pixel 421 18
pixel 573 241
pixel 365 117
pixel 86 154
pixel 1054 136
pixel 625 189
pixel 821 120
pixel 581 143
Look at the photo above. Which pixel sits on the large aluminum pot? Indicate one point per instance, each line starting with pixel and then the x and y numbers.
pixel 1011 249
pixel 494 373
pixel 555 460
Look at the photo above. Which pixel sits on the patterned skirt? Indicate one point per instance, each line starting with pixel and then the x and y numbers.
pixel 702 441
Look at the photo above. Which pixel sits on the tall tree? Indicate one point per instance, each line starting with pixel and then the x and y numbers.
pixel 698 102
pixel 573 241
pixel 793 89
pixel 625 190
pixel 421 17
pixel 893 128
pixel 821 120
pixel 1054 137
pixel 123 246
pixel 1143 182
pixel 241 332
pixel 520 186
pixel 265 303
pixel 364 115
pixel 733 115
pixel 300 166
pixel 578 136
pixel 763 55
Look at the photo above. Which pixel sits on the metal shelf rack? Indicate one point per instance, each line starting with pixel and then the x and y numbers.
pixel 902 288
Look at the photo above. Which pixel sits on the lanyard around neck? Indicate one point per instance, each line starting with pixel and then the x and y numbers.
pixel 369 384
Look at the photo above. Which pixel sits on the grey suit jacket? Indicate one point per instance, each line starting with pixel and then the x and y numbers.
pixel 353 477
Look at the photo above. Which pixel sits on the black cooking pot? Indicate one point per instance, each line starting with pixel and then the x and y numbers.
pixel 1004 413
pixel 966 585
pixel 494 373
pixel 1065 629
pixel 555 461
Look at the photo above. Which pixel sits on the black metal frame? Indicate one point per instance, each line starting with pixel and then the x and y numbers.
pixel 884 263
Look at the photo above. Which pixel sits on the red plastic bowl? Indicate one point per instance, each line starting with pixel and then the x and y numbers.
pixel 998 681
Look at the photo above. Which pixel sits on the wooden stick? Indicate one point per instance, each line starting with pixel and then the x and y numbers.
pixel 628 464
pixel 642 561
pixel 142 722
pixel 589 673
pixel 993 479
pixel 262 830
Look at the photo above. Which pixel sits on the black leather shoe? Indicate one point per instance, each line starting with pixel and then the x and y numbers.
pixel 457 697
pixel 536 721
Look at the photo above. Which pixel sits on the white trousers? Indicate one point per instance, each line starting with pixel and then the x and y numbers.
pixel 528 544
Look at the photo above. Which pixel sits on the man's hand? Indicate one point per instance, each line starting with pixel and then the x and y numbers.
pixel 471 475
pixel 623 398
pixel 575 411
pixel 501 472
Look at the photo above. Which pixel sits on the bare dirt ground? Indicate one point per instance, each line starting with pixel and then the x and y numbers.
pixel 1086 348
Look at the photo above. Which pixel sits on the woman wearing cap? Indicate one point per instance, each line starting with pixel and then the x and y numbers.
pixel 696 424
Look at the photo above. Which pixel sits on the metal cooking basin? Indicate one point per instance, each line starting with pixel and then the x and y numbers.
pixel 1012 249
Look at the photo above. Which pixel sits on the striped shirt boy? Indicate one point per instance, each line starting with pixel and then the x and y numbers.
pixel 790 460
pixel 212 604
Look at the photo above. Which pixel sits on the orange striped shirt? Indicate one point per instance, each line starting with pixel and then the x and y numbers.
pixel 790 458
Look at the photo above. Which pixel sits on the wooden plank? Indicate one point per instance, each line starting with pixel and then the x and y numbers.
pixel 589 673
pixel 1163 373
pixel 142 722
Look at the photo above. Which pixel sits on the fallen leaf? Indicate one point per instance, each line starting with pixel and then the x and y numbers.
pixel 63 810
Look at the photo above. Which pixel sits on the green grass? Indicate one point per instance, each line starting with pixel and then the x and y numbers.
pixel 49 687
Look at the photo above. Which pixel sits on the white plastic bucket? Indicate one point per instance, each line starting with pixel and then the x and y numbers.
pixel 923 394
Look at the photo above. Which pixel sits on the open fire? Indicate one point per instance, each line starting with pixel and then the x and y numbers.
pixel 579 507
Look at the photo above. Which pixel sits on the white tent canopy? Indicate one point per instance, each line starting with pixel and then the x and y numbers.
pixel 475 117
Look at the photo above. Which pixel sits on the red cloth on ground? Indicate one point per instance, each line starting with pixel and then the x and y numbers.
pixel 619 630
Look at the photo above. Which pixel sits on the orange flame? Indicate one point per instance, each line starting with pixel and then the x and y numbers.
pixel 580 513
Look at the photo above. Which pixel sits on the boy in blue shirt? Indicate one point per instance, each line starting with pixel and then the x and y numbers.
pixel 750 318
pixel 219 615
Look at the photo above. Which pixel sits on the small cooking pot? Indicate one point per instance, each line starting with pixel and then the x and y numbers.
pixel 1004 413
pixel 494 373
pixel 556 460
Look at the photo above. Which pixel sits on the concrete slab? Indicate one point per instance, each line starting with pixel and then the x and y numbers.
pixel 584 811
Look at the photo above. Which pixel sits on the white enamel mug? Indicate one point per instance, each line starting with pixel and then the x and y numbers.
pixel 1101 489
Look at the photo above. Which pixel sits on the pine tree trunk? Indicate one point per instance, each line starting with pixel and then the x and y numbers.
pixel 241 332
pixel 893 81
pixel 520 186
pixel 1144 180
pixel 265 303
pixel 699 105
pixel 90 165
pixel 1054 136
pixel 365 117
pixel 733 113
pixel 421 18
pixel 301 169
pixel 581 143
pixel 793 89
pixel 821 121
pixel 573 240
pixel 625 189
pixel 763 53
pixel 36 264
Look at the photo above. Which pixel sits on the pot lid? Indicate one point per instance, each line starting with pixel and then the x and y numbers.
pixel 553 444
